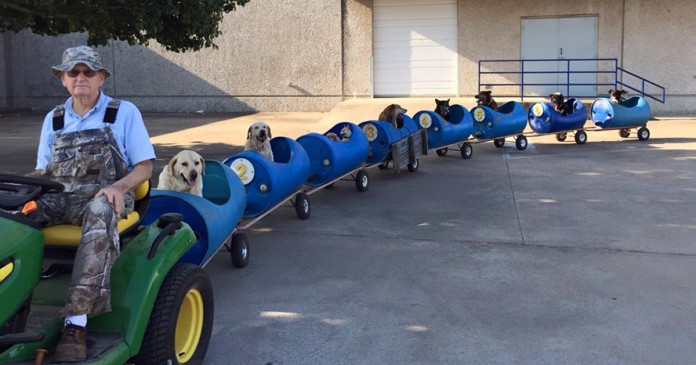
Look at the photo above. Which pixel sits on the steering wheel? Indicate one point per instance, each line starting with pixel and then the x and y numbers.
pixel 15 190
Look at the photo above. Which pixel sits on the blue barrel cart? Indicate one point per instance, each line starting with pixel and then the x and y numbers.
pixel 632 113
pixel 444 133
pixel 401 146
pixel 509 120
pixel 213 217
pixel 331 160
pixel 544 119
pixel 269 184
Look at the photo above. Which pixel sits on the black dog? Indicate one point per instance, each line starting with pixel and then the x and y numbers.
pixel 616 95
pixel 442 108
pixel 561 105
pixel 485 98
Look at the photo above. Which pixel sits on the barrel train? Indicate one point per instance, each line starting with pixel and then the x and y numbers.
pixel 247 186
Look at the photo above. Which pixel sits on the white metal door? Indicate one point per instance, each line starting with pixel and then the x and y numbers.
pixel 559 38
pixel 415 47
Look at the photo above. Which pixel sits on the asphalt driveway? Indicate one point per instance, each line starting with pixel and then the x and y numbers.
pixel 560 254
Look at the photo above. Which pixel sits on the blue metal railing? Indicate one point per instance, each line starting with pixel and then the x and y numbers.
pixel 529 72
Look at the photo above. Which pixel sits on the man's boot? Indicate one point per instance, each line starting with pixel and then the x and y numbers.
pixel 72 346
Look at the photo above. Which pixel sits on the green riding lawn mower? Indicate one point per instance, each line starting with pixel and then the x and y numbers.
pixel 162 309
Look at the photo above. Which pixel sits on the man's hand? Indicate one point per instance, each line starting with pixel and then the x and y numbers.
pixel 115 197
pixel 116 193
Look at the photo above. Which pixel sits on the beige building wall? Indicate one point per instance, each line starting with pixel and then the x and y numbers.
pixel 309 55
pixel 272 56
pixel 494 32
pixel 643 35
pixel 357 48
pixel 4 103
pixel 660 45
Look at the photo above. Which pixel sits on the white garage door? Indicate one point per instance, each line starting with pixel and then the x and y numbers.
pixel 415 47
pixel 560 38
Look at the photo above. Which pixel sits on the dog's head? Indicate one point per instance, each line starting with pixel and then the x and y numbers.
pixel 483 98
pixel 259 132
pixel 616 95
pixel 557 99
pixel 346 132
pixel 442 107
pixel 187 166
pixel 397 109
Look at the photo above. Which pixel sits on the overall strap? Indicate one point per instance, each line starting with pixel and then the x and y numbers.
pixel 111 111
pixel 109 115
pixel 58 117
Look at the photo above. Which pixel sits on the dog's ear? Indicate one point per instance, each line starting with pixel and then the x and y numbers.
pixel 249 133
pixel 269 132
pixel 202 165
pixel 171 165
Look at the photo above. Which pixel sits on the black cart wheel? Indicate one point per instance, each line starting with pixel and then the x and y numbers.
pixel 441 151
pixel 560 137
pixel 643 134
pixel 239 250
pixel 181 321
pixel 362 181
pixel 499 142
pixel 413 165
pixel 624 132
pixel 580 137
pixel 521 142
pixel 302 207
pixel 466 150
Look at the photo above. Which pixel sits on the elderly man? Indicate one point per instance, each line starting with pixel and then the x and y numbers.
pixel 99 149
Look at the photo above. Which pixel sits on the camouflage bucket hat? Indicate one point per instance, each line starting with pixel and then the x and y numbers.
pixel 80 54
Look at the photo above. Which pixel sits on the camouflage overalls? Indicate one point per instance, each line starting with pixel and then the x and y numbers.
pixel 86 161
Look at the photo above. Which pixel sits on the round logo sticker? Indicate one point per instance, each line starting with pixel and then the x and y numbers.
pixel 538 110
pixel 479 114
pixel 244 169
pixel 370 131
pixel 425 120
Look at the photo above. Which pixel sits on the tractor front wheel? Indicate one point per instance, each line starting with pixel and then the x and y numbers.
pixel 181 321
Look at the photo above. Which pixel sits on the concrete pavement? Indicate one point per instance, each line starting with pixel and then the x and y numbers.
pixel 560 254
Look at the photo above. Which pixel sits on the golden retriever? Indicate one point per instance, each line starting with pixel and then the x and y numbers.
pixel 258 139
pixel 183 173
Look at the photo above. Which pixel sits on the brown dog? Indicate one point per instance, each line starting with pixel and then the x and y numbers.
pixel 392 114
pixel 485 98
pixel 559 103
pixel 442 107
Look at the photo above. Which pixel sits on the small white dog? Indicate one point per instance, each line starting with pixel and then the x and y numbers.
pixel 183 173
pixel 346 133
pixel 258 139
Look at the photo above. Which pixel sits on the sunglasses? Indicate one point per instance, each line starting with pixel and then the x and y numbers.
pixel 89 73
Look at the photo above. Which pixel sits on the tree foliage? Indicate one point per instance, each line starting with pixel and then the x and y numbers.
pixel 179 25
